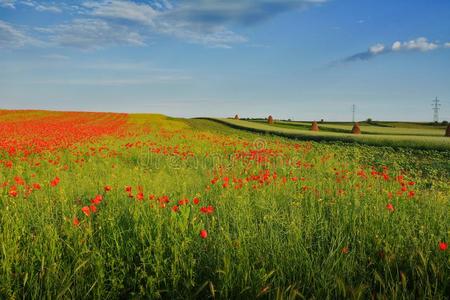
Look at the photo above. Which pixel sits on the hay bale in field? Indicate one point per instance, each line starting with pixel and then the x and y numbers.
pixel 447 132
pixel 356 129
pixel 236 117
pixel 314 126
pixel 270 120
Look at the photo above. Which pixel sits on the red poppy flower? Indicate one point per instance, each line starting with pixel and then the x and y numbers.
pixel 196 201
pixel 140 196
pixel 36 186
pixel 13 193
pixel 55 181
pixel 108 188
pixel 207 209
pixel 390 207
pixel 175 208
pixel 93 208
pixel 443 246
pixel 19 180
pixel 97 200
pixel 128 189
pixel 75 221
pixel 203 234
pixel 86 210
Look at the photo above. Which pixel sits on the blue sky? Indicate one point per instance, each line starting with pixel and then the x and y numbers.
pixel 299 59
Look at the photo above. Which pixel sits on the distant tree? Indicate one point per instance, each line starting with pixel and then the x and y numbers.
pixel 444 122
pixel 369 120
pixel 321 121
pixel 236 117
pixel 289 120
pixel 447 132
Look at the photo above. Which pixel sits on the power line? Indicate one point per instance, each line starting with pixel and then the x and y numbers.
pixel 436 106
pixel 353 112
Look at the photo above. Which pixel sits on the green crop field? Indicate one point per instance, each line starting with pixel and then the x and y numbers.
pixel 380 128
pixel 399 136
pixel 102 205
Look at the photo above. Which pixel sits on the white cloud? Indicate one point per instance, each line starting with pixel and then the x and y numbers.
pixel 141 13
pixel 160 20
pixel 214 37
pixel 131 22
pixel 11 37
pixel 376 49
pixel 420 44
pixel 94 34
pixel 397 46
pixel 41 7
pixel 49 8
pixel 8 3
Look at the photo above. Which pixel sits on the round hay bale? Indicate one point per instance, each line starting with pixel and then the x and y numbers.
pixel 356 129
pixel 314 126
pixel 270 120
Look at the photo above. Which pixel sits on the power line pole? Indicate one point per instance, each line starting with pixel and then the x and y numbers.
pixel 353 112
pixel 436 106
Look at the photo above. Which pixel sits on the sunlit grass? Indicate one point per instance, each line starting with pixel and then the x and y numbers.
pixel 302 132
pixel 290 219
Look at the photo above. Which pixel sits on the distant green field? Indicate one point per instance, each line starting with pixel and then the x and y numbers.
pixel 385 128
pixel 422 137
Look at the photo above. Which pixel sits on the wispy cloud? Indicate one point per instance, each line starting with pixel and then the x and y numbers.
pixel 420 44
pixel 93 34
pixel 42 7
pixel 161 19
pixel 12 37
pixel 103 23
pixel 243 12
pixel 8 3
pixel 37 5
pixel 137 12
pixel 196 21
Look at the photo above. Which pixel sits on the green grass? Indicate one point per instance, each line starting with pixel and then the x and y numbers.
pixel 379 128
pixel 273 238
pixel 391 140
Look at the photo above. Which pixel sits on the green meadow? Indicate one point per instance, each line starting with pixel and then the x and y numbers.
pixel 165 208
pixel 407 135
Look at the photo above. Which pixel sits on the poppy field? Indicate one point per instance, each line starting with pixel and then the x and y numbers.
pixel 105 205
